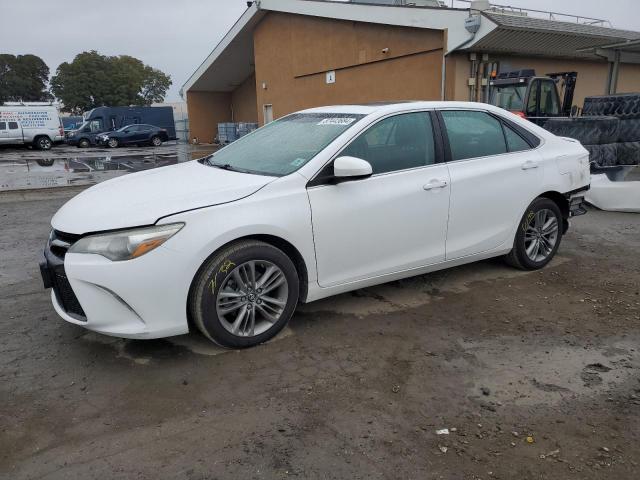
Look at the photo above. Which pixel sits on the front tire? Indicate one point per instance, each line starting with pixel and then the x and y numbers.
pixel 538 236
pixel 84 143
pixel 113 143
pixel 245 294
pixel 43 143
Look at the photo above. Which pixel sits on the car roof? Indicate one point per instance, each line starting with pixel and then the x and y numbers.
pixel 399 106
pixel 382 109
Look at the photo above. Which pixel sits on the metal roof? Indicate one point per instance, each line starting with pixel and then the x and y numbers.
pixel 543 24
pixel 521 34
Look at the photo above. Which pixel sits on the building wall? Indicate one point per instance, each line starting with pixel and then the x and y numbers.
pixel 592 74
pixel 629 78
pixel 244 102
pixel 294 52
pixel 206 110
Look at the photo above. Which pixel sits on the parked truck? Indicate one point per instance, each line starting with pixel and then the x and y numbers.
pixel 35 125
pixel 107 119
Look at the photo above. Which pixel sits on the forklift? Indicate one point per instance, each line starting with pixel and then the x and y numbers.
pixel 532 97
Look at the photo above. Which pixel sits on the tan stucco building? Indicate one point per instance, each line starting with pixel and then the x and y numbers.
pixel 286 55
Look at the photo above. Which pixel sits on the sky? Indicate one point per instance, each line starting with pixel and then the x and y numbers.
pixel 175 36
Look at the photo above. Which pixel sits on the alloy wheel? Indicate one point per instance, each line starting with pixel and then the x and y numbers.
pixel 252 298
pixel 541 235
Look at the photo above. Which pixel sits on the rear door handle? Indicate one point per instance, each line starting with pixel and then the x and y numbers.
pixel 529 164
pixel 434 184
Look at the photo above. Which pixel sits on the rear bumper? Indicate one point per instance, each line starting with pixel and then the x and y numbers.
pixel 576 200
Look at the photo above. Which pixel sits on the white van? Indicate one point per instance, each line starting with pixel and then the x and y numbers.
pixel 35 124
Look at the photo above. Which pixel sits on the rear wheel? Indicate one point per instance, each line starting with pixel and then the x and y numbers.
pixel 156 141
pixel 538 236
pixel 245 294
pixel 43 143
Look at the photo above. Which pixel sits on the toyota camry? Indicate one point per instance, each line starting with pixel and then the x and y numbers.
pixel 317 203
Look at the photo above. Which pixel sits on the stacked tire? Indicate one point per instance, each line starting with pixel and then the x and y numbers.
pixel 609 128
pixel 626 108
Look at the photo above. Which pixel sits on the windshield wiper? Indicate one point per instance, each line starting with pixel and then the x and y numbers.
pixel 224 166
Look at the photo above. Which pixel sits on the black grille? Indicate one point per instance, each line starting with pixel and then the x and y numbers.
pixel 54 254
pixel 65 294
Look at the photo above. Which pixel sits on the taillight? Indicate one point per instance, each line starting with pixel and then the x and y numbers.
pixel 61 131
pixel 519 113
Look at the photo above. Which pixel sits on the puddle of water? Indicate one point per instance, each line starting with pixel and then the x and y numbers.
pixel 82 170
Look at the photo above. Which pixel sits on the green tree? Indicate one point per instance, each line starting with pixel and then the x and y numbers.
pixel 23 78
pixel 93 80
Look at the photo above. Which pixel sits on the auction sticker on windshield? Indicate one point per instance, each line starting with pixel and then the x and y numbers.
pixel 337 121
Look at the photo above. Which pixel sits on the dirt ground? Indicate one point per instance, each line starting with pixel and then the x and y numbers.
pixel 536 376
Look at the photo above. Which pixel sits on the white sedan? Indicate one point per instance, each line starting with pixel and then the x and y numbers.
pixel 317 203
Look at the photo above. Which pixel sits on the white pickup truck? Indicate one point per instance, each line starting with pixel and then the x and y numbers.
pixel 36 125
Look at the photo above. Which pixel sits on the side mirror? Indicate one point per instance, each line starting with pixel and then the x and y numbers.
pixel 351 168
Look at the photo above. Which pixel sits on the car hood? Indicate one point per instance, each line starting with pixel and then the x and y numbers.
pixel 142 198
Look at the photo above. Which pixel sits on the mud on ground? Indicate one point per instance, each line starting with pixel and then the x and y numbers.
pixel 536 376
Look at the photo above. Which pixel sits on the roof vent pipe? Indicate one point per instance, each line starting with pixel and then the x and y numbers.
pixel 480 5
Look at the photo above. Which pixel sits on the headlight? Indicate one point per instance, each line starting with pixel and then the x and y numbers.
pixel 71 134
pixel 126 244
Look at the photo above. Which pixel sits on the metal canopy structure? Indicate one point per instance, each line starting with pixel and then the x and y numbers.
pixel 522 34
pixel 616 53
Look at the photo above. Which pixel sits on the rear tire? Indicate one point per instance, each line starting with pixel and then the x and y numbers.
pixel 156 141
pixel 245 294
pixel 538 236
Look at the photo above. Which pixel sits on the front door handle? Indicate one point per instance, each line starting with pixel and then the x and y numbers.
pixel 529 164
pixel 433 184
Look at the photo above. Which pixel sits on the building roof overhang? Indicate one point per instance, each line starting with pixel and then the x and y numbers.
pixel 524 35
pixel 625 52
pixel 231 61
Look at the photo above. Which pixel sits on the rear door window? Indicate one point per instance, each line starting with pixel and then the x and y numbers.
pixel 515 142
pixel 473 134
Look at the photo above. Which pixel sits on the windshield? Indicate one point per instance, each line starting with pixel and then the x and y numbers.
pixel 509 97
pixel 282 147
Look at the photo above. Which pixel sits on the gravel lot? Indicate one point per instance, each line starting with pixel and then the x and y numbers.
pixel 536 375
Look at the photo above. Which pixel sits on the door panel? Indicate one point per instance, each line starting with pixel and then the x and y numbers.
pixel 384 224
pixel 494 176
pixel 488 198
pixel 4 132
